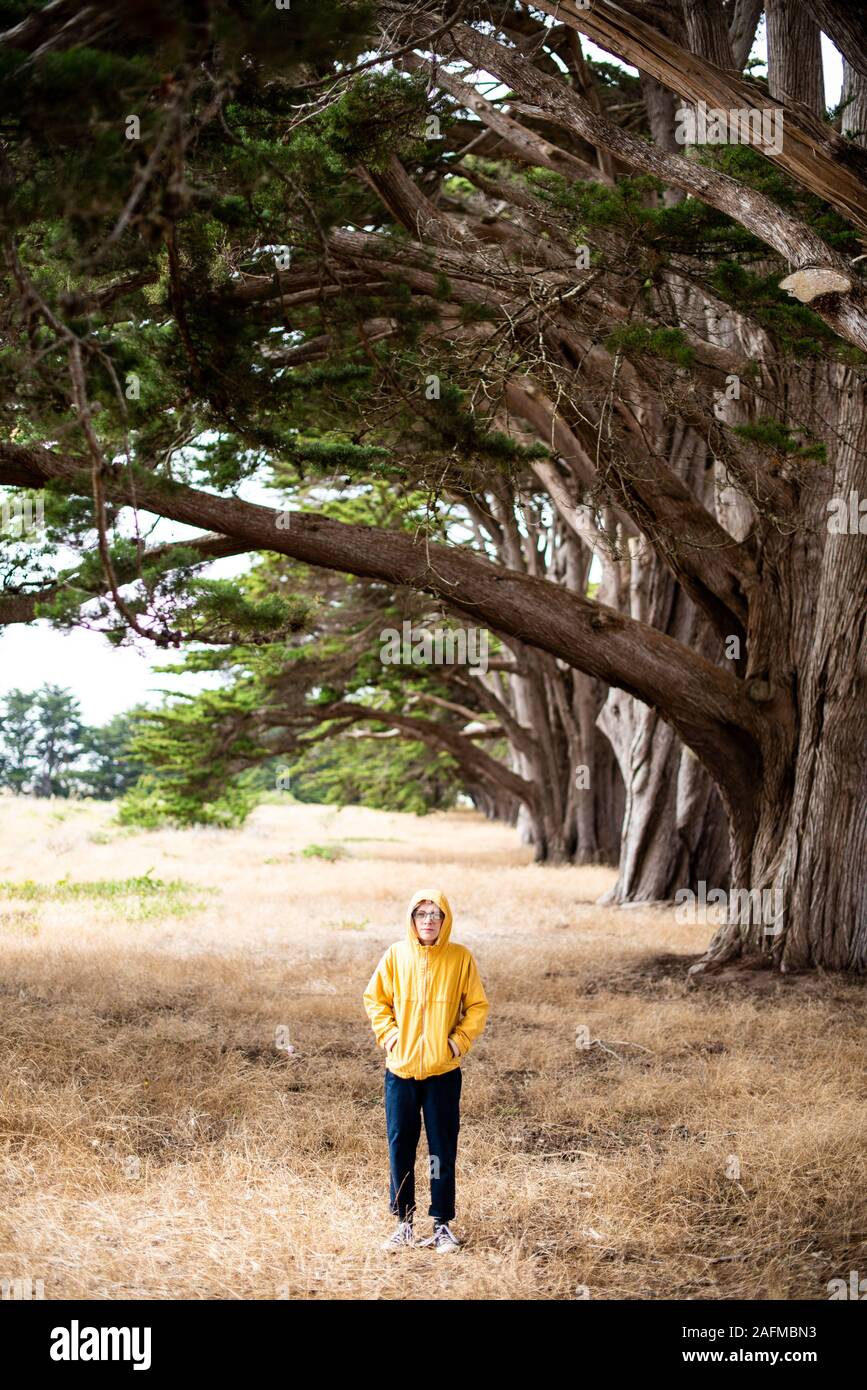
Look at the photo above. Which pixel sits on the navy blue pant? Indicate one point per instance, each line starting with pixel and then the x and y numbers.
pixel 438 1098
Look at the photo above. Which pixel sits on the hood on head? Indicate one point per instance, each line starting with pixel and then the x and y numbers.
pixel 434 895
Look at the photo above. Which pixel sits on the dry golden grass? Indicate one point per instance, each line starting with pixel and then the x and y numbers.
pixel 156 1143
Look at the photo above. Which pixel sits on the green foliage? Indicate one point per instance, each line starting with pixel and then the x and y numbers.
pixel 155 802
pixel 635 339
pixel 109 767
pixel 379 115
pixel 172 600
pixel 459 428
pixel 138 899
pixel 778 438
pixel 79 153
pixel 330 852
pixel 614 78
pixel 413 777
pixel 191 750
pixel 46 750
pixel 220 608
pixel 19 734
pixel 720 248
pixel 590 204
pixel 795 326
pixel 330 456
pixel 749 167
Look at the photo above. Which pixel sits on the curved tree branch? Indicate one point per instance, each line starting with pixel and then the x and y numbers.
pixel 710 709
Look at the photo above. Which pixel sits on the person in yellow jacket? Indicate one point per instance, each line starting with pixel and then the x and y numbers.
pixel 427 1007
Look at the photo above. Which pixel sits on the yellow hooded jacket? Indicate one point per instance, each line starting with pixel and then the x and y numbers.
pixel 426 995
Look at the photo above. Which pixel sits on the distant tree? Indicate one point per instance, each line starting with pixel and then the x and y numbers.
pixel 46 750
pixel 112 767
pixel 58 742
pixel 17 740
pixel 355 770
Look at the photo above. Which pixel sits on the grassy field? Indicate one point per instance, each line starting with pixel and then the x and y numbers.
pixel 156 1143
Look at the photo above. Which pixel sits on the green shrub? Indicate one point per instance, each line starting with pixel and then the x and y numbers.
pixel 329 852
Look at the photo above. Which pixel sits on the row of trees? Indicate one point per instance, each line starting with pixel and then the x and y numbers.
pixel 341 719
pixel 480 316
pixel 46 749
pixel 156 763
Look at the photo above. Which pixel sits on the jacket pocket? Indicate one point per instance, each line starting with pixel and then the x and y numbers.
pixel 437 1050
pixel 405 1051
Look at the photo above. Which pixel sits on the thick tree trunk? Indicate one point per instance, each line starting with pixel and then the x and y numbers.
pixel 742 30
pixel 853 99
pixel 545 762
pixel 552 841
pixel 599 792
pixel 497 806
pixel 806 845
pixel 794 55
pixel 674 831
pixel 580 794
pixel 843 22
pixel 799 896
pixel 707 31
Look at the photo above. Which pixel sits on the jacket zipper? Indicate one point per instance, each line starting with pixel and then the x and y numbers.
pixel 423 1005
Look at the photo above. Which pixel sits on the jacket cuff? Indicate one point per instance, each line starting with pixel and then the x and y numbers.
pixel 453 1040
pixel 388 1036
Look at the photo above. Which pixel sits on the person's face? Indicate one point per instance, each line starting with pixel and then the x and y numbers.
pixel 428 919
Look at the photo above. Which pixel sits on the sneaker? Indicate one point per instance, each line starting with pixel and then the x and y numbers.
pixel 401 1237
pixel 442 1239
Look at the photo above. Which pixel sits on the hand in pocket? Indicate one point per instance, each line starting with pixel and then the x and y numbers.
pixel 392 1043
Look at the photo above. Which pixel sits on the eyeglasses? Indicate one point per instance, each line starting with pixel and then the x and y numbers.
pixel 427 916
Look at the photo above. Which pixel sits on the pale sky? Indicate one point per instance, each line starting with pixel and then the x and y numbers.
pixel 106 679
